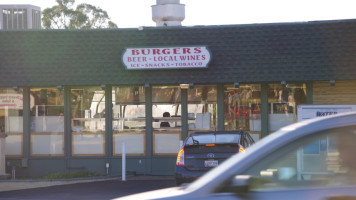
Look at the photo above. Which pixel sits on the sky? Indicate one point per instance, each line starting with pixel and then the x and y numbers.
pixel 136 13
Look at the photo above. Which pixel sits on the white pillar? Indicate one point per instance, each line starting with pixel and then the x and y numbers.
pixel 123 161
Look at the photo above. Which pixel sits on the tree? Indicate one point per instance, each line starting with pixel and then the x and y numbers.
pixel 85 16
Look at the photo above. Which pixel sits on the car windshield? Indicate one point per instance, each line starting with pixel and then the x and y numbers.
pixel 213 139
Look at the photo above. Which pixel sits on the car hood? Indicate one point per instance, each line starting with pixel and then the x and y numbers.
pixel 168 193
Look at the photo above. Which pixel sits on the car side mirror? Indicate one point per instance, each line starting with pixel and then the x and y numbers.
pixel 242 184
pixel 239 184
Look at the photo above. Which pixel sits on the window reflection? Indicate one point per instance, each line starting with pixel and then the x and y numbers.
pixel 166 108
pixel 47 121
pixel 283 102
pixel 243 108
pixel 129 119
pixel 166 112
pixel 202 107
pixel 11 120
pixel 88 121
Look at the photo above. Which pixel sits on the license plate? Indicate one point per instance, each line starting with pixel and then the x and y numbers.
pixel 211 163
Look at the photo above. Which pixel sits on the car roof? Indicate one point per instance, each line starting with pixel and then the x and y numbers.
pixel 217 132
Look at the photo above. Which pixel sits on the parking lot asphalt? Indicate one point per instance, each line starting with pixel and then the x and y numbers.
pixel 100 188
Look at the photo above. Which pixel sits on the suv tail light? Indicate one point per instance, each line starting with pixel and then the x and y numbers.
pixel 241 149
pixel 180 157
pixel 210 145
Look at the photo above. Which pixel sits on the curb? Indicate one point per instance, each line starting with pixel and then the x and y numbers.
pixel 11 185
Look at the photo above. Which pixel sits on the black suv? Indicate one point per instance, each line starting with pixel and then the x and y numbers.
pixel 202 151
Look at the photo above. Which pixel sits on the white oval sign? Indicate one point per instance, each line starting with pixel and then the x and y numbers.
pixel 166 57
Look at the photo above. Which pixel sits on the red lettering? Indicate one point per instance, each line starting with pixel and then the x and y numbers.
pixel 145 51
pixel 135 52
pixel 254 113
pixel 186 50
pixel 166 51
pixel 197 50
pixel 156 51
pixel 136 59
pixel 246 113
pixel 159 58
pixel 176 50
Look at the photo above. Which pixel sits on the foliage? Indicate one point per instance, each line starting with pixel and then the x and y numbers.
pixel 85 16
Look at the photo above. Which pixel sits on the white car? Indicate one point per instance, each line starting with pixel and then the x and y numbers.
pixel 313 159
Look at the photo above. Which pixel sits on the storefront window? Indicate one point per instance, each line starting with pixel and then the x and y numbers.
pixel 47 122
pixel 129 119
pixel 202 109
pixel 11 120
pixel 283 102
pixel 167 125
pixel 242 108
pixel 88 121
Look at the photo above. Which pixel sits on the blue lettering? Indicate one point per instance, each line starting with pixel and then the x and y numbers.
pixel 321 114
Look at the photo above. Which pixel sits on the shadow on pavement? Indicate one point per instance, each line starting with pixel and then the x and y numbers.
pixel 108 189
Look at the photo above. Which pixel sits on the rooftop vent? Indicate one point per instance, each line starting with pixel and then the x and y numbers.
pixel 168 13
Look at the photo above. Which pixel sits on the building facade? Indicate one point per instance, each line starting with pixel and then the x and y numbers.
pixel 18 17
pixel 70 98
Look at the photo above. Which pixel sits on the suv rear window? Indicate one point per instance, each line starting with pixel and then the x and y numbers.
pixel 213 139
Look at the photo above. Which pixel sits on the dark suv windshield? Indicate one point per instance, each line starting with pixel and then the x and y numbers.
pixel 213 139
